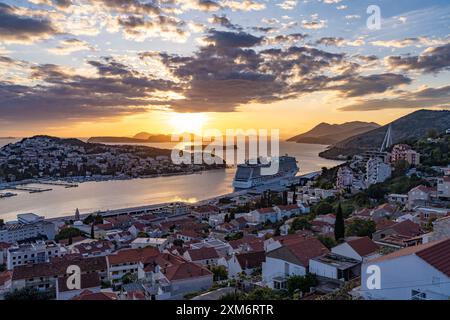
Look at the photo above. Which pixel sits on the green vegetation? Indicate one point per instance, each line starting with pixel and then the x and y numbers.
pixel 327 179
pixel 301 223
pixel 327 241
pixel 339 225
pixel 234 236
pixel 360 228
pixel 301 283
pixel 29 294
pixel 401 185
pixel 220 272
pixel 68 233
pixel 2 267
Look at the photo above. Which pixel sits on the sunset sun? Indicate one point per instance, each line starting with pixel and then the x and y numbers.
pixel 187 122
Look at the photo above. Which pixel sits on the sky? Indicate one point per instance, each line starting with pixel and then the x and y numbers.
pixel 81 68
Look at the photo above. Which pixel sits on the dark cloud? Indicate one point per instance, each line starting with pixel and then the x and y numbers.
pixel 431 61
pixel 130 6
pixel 356 86
pixel 16 28
pixel 224 39
pixel 425 98
pixel 224 22
pixel 331 41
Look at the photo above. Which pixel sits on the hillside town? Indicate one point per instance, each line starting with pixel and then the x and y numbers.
pixel 48 157
pixel 313 239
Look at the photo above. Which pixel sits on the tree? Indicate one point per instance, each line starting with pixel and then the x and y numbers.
pixel 263 294
pixel 300 223
pixel 219 273
pixel 327 241
pixel 432 133
pixel 323 208
pixel 66 233
pixel 400 168
pixel 28 294
pixel 339 225
pixel 178 242
pixel 142 235
pixel 2 222
pixel 93 230
pixel 302 283
pixel 361 228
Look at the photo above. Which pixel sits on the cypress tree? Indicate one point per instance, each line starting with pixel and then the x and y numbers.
pixel 339 226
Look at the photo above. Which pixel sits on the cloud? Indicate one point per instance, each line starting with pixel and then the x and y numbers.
pixel 243 5
pixel 15 28
pixel 423 98
pixel 356 86
pixel 407 42
pixel 432 60
pixel 69 46
pixel 224 22
pixel 288 4
pixel 314 24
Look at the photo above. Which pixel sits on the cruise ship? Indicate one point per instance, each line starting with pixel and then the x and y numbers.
pixel 249 175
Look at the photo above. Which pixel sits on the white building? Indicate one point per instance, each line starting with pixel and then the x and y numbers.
pixel 398 198
pixel 413 273
pixel 37 252
pixel 26 229
pixel 159 243
pixel 443 187
pixel 288 260
pixel 344 178
pixel 377 171
pixel 360 249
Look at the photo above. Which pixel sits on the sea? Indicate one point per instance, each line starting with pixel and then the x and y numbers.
pixel 117 194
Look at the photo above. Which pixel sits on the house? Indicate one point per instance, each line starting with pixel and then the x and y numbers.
pixel 290 210
pixel 344 178
pixel 415 273
pixel 336 267
pixel 4 246
pixel 239 223
pixel 377 171
pixel 30 253
pixel 43 276
pixel 398 235
pixel 227 228
pixel 289 260
pixel 127 261
pixel 88 295
pixel 441 229
pixel 358 248
pixel 205 211
pixel 247 263
pixel 222 248
pixel 404 152
pixel 90 281
pixel 248 243
pixel 443 187
pixel 420 196
pixel 385 210
pixel 395 198
pixel 189 235
pixel 160 243
pixel 264 215
pixel 93 248
pixel 204 256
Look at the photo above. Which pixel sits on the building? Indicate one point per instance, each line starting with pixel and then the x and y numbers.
pixel 160 243
pixel 127 262
pixel 404 152
pixel 247 263
pixel 414 273
pixel 401 199
pixel 441 229
pixel 88 281
pixel 336 267
pixel 32 253
pixel 28 226
pixel 420 196
pixel 344 178
pixel 291 259
pixel 398 235
pixel 204 256
pixel 43 276
pixel 93 248
pixel 359 248
pixel 443 187
pixel 377 171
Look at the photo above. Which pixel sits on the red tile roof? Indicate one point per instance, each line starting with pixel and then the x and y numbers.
pixel 132 255
pixel 177 268
pixel 308 249
pixel 98 296
pixel 363 246
pixel 251 260
pixel 437 254
pixel 89 280
pixel 4 277
pixel 406 228
pixel 266 210
pixel 203 254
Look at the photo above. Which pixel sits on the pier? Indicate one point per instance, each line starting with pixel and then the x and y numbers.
pixel 59 184
pixel 30 189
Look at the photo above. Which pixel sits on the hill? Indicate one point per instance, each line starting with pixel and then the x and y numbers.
pixel 329 134
pixel 412 126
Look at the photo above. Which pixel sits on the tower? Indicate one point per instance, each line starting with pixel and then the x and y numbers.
pixel 77 215
pixel 387 142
